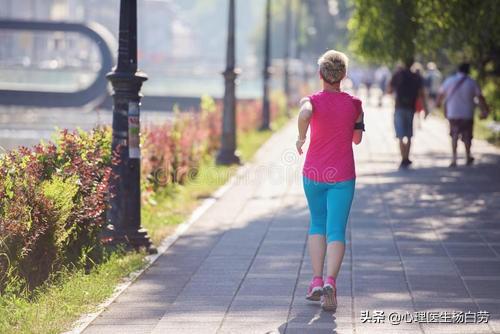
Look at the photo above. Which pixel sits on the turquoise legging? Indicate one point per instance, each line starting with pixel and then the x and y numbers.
pixel 329 205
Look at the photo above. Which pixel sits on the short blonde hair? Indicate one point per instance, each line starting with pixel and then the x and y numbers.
pixel 333 66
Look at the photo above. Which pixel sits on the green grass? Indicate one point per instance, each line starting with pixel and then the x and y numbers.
pixel 53 308
pixel 56 306
pixel 481 131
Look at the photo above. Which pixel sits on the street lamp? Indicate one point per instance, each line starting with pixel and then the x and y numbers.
pixel 226 154
pixel 125 210
pixel 286 79
pixel 266 117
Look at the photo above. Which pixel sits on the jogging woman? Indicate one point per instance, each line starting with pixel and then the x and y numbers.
pixel 336 120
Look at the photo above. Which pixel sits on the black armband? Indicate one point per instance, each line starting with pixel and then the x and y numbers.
pixel 359 126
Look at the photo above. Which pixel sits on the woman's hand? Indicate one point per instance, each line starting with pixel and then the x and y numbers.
pixel 299 143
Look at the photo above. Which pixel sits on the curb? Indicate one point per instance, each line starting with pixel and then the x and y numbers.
pixel 85 320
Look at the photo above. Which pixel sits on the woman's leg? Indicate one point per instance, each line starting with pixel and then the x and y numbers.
pixel 316 198
pixel 339 200
pixel 317 251
pixel 335 251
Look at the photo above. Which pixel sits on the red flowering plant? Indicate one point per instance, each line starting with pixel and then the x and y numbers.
pixel 173 150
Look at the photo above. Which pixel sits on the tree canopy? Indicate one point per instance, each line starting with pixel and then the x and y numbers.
pixel 456 30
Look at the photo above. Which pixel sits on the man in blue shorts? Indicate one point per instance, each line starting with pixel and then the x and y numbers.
pixel 408 87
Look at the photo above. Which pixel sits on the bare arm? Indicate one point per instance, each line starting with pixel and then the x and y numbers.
pixel 485 109
pixel 439 100
pixel 303 122
pixel 357 135
pixel 390 86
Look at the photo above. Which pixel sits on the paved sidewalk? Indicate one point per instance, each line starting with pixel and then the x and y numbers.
pixel 425 239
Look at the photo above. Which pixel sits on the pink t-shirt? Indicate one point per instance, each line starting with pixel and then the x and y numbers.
pixel 330 157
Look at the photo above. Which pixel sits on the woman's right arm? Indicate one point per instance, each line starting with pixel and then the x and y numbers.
pixel 303 122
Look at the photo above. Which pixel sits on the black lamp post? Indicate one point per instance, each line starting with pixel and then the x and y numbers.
pixel 125 211
pixel 226 154
pixel 266 116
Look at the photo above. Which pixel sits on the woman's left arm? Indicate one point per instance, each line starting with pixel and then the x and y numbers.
pixel 359 127
pixel 303 122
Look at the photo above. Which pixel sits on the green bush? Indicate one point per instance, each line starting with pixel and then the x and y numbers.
pixel 53 200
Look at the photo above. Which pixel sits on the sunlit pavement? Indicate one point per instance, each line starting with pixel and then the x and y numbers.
pixel 423 243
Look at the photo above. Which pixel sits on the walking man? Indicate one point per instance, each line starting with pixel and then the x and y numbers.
pixel 460 93
pixel 408 87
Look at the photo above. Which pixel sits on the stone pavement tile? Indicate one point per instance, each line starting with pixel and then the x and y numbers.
pixel 234 250
pixel 164 327
pixel 129 329
pixel 158 284
pixel 383 265
pixel 494 311
pixel 367 288
pixel 390 330
pixel 208 301
pixel 370 214
pixel 268 287
pixel 131 320
pixel 259 305
pixel 264 326
pixel 332 326
pixel 134 312
pixel 469 250
pixel 485 226
pixel 448 305
pixel 369 234
pixel 496 249
pixel 374 248
pixel 456 329
pixel 408 234
pixel 460 235
pixel 286 235
pixel 285 250
pixel 491 235
pixel 141 297
pixel 263 275
pixel 256 316
pixel 435 287
pixel 208 290
pixel 387 303
pixel 216 277
pixel 355 222
pixel 196 306
pixel 378 276
pixel 386 327
pixel 421 248
pixel 495 325
pixel 429 266
pixel 192 317
pixel 484 288
pixel 483 267
pixel 273 265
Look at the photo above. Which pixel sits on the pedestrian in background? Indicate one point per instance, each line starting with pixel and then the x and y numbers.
pixel 407 87
pixel 432 81
pixel 336 120
pixel 382 77
pixel 460 94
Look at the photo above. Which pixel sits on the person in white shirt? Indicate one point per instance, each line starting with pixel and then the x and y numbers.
pixel 460 94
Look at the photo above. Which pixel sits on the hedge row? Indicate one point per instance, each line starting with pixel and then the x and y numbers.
pixel 54 196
